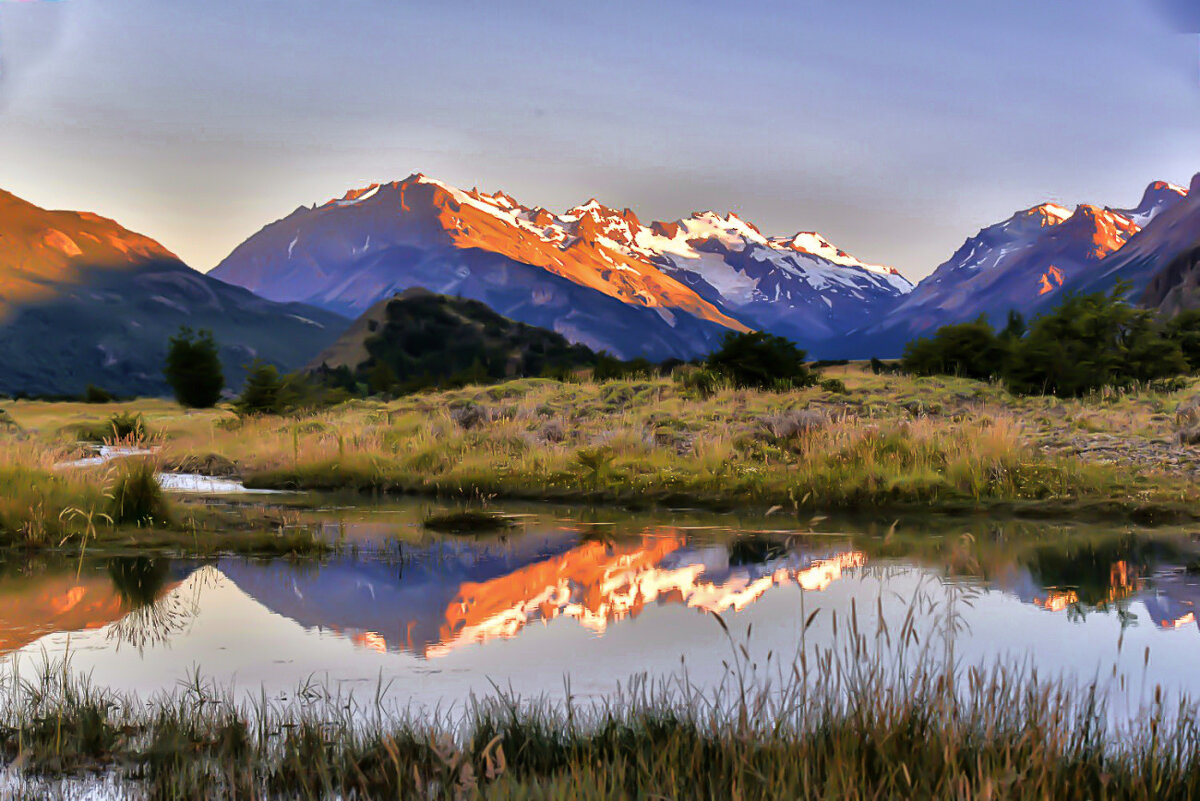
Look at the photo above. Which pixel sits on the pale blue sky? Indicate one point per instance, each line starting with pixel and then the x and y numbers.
pixel 896 129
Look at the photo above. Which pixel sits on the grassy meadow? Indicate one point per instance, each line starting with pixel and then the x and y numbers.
pixel 874 444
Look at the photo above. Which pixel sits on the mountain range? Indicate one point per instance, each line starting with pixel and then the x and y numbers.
pixel 83 300
pixel 594 274
pixel 601 277
pixel 1029 261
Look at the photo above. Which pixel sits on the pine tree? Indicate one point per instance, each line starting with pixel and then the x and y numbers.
pixel 193 369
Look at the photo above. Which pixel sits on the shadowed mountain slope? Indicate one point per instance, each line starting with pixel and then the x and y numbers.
pixel 85 301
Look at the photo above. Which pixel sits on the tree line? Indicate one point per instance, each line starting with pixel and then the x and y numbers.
pixel 1088 342
pixel 753 360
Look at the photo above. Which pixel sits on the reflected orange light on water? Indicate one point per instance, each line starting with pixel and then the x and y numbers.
pixel 56 603
pixel 597 584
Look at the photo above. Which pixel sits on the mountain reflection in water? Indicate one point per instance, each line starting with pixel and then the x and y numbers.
pixel 431 596
pixel 130 593
pixel 453 597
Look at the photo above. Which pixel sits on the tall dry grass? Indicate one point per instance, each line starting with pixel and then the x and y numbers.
pixel 886 712
pixel 649 441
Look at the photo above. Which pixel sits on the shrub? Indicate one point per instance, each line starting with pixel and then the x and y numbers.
pixel 610 368
pixel 121 427
pixel 792 422
pixel 757 360
pixel 695 382
pixel 193 369
pixel 95 394
pixel 471 415
pixel 970 350
pixel 128 426
pixel 136 495
pixel 1184 330
pixel 1089 342
pixel 880 367
pixel 835 385
pixel 468 521
pixel 1167 386
pixel 263 392
pixel 268 392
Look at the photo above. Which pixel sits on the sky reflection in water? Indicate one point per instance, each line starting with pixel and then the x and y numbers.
pixel 437 618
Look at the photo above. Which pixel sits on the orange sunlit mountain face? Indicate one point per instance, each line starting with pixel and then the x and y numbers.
pixel 590 256
pixel 1051 279
pixel 41 251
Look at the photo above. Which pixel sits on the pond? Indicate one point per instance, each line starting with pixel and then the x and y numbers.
pixel 582 601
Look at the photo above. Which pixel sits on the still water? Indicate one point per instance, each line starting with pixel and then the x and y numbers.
pixel 590 599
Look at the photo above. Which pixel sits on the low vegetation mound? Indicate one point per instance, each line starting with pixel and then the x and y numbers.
pixel 419 339
pixel 468 521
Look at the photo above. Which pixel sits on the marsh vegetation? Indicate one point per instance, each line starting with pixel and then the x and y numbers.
pixel 876 443
pixel 881 714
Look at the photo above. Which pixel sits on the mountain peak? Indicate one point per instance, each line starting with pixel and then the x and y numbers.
pixel 1050 213
pixel 1158 194
pixel 814 244
pixel 1194 188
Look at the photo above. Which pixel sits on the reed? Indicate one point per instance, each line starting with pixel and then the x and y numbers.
pixel 887 712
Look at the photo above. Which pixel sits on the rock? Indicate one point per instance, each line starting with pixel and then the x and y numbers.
pixel 554 431
pixel 919 409
pixel 7 423
pixel 1187 413
pixel 786 425
pixel 471 415
pixel 212 464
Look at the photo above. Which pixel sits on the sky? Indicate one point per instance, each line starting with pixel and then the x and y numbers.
pixel 895 129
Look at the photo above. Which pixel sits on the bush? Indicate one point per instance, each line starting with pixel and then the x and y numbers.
pixel 193 369
pixel 757 360
pixel 468 521
pixel 835 385
pixel 137 496
pixel 121 427
pixel 95 394
pixel 1089 342
pixel 262 392
pixel 969 350
pixel 1167 386
pixel 695 382
pixel 610 368
pixel 128 426
pixel 880 367
pixel 1184 330
pixel 793 422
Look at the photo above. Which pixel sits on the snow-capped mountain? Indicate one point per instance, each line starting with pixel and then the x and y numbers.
pixel 85 301
pixel 1025 263
pixel 800 286
pixel 592 273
